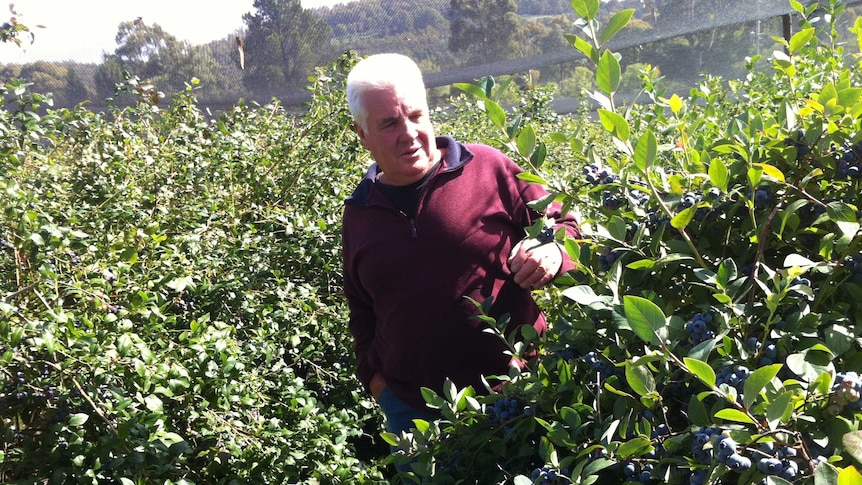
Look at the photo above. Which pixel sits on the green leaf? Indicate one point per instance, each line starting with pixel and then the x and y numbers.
pixel 810 363
pixel 849 476
pixel 735 415
pixel 390 438
pixel 608 73
pixel 825 474
pixel 495 113
pixel 640 379
pixel 755 174
pixel 857 29
pixel 586 9
pixel 757 381
pixel 615 124
pixel 539 155
pixel 153 403
pixel 839 211
pixel 771 171
pixel 595 466
pixel 471 89
pixel 78 419
pixel 584 47
pixel 702 350
pixel 697 412
pixel 636 446
pixel 432 398
pixel 532 178
pixel 701 370
pixel 718 174
pixel 780 410
pixel 853 444
pixel 124 345
pixel 839 338
pixel 526 141
pixel 487 86
pixel 641 264
pixel 615 24
pixel 683 218
pixel 583 295
pixel 646 150
pixel 181 283
pixel 450 390
pixel 644 317
pixel 847 98
pixel 675 104
pixel 800 39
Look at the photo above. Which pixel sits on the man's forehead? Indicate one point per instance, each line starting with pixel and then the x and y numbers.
pixel 391 104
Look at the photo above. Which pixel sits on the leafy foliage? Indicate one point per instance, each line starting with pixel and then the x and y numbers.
pixel 711 334
pixel 170 308
pixel 171 312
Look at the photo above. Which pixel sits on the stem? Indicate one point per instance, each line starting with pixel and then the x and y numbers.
pixel 667 212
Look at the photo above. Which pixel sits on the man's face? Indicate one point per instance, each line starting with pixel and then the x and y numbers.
pixel 399 134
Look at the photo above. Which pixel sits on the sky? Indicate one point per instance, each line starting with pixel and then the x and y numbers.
pixel 83 30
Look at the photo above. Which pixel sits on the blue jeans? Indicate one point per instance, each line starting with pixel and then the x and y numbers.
pixel 399 414
pixel 399 417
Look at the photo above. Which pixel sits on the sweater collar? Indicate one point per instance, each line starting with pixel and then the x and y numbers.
pixel 456 156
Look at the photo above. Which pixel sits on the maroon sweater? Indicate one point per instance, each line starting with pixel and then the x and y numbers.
pixel 407 280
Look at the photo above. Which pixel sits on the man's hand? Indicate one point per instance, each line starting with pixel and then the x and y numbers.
pixel 376 385
pixel 534 263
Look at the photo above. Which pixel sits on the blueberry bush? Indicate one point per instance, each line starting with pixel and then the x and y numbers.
pixel 711 333
pixel 170 307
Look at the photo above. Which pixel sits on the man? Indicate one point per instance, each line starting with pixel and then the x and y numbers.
pixel 434 224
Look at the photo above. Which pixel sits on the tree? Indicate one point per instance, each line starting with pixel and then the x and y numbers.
pixel 283 44
pixel 159 58
pixel 485 29
pixel 142 48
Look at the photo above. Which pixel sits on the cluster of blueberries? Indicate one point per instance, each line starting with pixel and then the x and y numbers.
pixel 607 258
pixel 689 199
pixel 550 476
pixel 850 162
pixel 636 472
pixel 698 328
pixel 846 391
pixel 709 442
pixel 567 353
pixel 506 409
pixel 776 461
pixel 769 459
pixel 16 387
pixel 734 376
pixel 854 264
pixel 762 198
pixel 612 201
pixel 596 175
pixel 184 302
pixel 600 366
pixel 768 350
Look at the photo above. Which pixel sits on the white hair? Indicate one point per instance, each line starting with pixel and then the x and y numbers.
pixel 377 72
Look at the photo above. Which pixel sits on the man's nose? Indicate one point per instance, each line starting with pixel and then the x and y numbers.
pixel 409 130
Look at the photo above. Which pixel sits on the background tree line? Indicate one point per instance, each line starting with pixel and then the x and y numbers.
pixel 282 42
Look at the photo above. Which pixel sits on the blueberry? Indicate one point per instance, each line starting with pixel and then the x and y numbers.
pixel 753 343
pixel 738 463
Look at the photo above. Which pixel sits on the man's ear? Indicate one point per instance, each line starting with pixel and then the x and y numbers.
pixel 360 132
